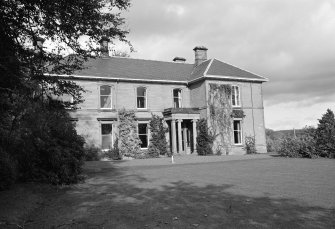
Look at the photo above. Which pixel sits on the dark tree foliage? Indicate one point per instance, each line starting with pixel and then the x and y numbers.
pixel 35 131
pixel 325 135
pixel 204 139
pixel 158 144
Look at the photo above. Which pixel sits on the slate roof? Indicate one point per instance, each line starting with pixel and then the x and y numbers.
pixel 138 69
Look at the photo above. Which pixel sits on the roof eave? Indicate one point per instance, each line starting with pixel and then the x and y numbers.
pixel 83 77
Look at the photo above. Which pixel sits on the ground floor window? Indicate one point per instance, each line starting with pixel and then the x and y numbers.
pixel 106 135
pixel 143 134
pixel 237 132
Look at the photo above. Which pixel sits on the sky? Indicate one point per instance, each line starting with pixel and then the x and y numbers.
pixel 292 43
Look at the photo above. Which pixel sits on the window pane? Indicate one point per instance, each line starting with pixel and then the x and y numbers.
pixel 237 125
pixel 176 103
pixel 141 91
pixel 142 128
pixel 105 101
pixel 176 92
pixel 144 140
pixel 105 90
pixel 237 137
pixel 106 128
pixel 237 132
pixel 106 141
pixel 140 102
pixel 233 96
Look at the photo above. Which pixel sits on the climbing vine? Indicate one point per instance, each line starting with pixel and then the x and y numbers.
pixel 129 143
pixel 220 120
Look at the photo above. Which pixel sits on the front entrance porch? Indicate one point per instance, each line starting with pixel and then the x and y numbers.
pixel 182 129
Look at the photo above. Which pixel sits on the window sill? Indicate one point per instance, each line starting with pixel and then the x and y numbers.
pixel 240 144
pixel 106 110
pixel 142 109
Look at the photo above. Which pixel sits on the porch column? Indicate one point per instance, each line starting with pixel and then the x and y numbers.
pixel 173 135
pixel 194 122
pixel 180 144
pixel 185 139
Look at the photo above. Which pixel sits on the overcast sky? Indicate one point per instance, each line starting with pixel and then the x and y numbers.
pixel 291 42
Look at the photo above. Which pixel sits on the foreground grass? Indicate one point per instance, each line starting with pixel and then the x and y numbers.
pixel 264 193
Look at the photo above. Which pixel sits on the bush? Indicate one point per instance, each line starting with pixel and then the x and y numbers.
pixel 204 139
pixel 91 153
pixel 250 145
pixel 45 145
pixel 114 153
pixel 158 144
pixel 300 147
pixel 7 170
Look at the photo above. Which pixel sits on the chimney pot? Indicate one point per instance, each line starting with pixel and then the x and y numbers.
pixel 200 54
pixel 104 46
pixel 179 59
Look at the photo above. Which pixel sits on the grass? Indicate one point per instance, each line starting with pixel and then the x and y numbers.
pixel 261 193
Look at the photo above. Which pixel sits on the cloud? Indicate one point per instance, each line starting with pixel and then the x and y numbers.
pixel 290 42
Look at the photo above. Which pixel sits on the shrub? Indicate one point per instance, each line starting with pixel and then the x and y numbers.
pixel 7 170
pixel 46 145
pixel 250 145
pixel 114 153
pixel 204 139
pixel 158 144
pixel 302 146
pixel 91 153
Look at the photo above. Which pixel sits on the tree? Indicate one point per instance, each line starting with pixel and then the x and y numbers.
pixel 325 135
pixel 158 144
pixel 29 77
pixel 204 139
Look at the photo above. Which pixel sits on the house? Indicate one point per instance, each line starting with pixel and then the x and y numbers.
pixel 180 92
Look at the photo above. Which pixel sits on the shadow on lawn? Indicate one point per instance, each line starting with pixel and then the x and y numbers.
pixel 115 198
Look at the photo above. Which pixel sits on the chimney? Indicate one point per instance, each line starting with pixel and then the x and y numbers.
pixel 38 44
pixel 200 54
pixel 179 59
pixel 104 46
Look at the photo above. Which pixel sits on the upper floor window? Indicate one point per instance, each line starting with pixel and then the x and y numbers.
pixel 177 98
pixel 237 132
pixel 143 134
pixel 141 97
pixel 105 96
pixel 235 96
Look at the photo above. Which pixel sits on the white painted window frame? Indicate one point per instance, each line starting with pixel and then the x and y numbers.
pixel 148 130
pixel 237 101
pixel 241 132
pixel 180 98
pixel 101 135
pixel 111 95
pixel 146 98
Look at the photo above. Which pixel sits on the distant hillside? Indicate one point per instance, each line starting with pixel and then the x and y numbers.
pixel 277 134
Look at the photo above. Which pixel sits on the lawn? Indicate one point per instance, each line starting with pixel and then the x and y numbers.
pixel 255 193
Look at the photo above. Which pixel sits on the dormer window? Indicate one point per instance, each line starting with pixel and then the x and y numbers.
pixel 235 96
pixel 177 98
pixel 105 97
pixel 141 98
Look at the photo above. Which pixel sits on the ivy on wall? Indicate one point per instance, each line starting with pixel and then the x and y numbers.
pixel 129 142
pixel 237 113
pixel 220 119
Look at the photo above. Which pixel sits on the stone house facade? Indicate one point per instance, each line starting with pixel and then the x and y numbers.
pixel 177 91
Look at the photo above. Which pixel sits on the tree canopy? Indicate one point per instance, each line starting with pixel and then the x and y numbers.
pixel 325 135
pixel 39 41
